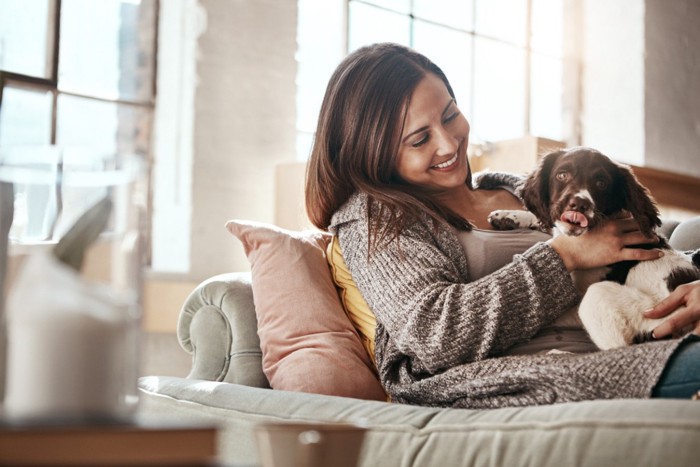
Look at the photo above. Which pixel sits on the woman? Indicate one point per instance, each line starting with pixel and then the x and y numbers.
pixel 462 312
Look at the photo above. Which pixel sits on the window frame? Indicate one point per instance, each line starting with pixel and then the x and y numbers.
pixel 50 84
pixel 570 131
pixel 10 79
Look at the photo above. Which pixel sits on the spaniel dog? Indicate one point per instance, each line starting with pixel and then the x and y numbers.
pixel 573 191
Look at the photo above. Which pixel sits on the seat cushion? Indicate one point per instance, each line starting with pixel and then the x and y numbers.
pixel 592 433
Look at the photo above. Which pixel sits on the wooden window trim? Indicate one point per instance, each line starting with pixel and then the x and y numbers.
pixel 670 188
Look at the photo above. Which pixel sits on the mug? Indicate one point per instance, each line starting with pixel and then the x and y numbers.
pixel 309 444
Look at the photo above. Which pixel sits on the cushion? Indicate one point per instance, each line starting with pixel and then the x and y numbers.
pixel 307 341
pixel 623 432
pixel 350 297
pixel 686 236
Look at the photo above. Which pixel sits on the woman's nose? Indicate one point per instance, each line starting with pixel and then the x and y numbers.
pixel 447 143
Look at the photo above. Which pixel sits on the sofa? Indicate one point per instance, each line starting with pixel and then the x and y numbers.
pixel 229 386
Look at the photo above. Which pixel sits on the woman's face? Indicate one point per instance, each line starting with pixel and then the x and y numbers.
pixel 433 146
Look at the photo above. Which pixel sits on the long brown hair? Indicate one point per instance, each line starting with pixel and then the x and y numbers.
pixel 357 142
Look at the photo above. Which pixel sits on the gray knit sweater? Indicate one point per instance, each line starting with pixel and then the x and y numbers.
pixel 439 335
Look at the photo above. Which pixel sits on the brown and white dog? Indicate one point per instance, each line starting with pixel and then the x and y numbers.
pixel 573 191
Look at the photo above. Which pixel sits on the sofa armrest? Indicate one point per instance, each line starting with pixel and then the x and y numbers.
pixel 686 235
pixel 218 327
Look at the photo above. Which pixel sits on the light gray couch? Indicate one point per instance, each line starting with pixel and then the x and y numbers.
pixel 226 387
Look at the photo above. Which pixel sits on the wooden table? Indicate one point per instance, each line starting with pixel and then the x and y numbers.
pixel 113 445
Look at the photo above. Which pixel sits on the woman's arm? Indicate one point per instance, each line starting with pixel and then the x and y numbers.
pixel 422 297
pixel 435 315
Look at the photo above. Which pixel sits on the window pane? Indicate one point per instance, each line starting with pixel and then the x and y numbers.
pixel 33 171
pixel 320 47
pixel 25 118
pixel 24 42
pixel 499 91
pixel 548 27
pixel 455 13
pixel 305 141
pixel 104 126
pixel 368 25
pixel 546 110
pixel 502 19
pixel 107 48
pixel 401 6
pixel 54 185
pixel 451 51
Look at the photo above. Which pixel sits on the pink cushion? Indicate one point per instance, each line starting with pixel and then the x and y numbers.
pixel 308 343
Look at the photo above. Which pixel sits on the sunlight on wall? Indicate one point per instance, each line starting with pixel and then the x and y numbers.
pixel 181 22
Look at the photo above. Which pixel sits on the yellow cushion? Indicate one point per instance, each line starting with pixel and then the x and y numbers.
pixel 355 306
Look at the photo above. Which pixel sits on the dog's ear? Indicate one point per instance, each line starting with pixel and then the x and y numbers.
pixel 535 189
pixel 639 201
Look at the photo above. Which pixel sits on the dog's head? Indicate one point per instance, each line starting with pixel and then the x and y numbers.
pixel 576 189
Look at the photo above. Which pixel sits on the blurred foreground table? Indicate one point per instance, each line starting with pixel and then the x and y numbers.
pixel 112 445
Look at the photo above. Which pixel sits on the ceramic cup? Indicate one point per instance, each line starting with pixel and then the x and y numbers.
pixel 308 444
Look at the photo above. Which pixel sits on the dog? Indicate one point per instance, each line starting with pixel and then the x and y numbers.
pixel 575 190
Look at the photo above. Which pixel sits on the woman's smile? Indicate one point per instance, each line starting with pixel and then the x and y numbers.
pixel 447 164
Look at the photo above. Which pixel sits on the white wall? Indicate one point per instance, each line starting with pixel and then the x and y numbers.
pixel 672 74
pixel 612 117
pixel 180 24
pixel 226 92
pixel 641 77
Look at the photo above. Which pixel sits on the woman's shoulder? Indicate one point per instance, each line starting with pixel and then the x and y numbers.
pixel 355 208
pixel 356 212
pixel 354 215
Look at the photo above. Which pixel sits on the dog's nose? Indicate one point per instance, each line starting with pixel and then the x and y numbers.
pixel 577 203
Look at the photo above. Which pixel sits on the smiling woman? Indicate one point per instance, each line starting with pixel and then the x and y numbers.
pixel 398 194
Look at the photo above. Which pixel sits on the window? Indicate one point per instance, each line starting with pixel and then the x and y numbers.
pixel 316 61
pixel 77 74
pixel 505 59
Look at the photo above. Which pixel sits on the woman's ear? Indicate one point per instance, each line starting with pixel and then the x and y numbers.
pixel 639 201
pixel 535 190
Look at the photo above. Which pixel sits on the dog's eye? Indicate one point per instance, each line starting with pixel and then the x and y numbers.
pixel 601 184
pixel 563 176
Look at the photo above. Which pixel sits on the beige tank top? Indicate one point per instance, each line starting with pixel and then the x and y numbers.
pixel 490 250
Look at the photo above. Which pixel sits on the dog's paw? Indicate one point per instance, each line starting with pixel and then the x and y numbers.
pixel 643 336
pixel 503 219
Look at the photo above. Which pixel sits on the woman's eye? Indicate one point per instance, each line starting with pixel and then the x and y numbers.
pixel 420 142
pixel 451 117
pixel 562 176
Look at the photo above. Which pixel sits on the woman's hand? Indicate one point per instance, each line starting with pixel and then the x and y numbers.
pixel 686 301
pixel 605 245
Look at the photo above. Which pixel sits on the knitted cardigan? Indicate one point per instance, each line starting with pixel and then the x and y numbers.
pixel 439 334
